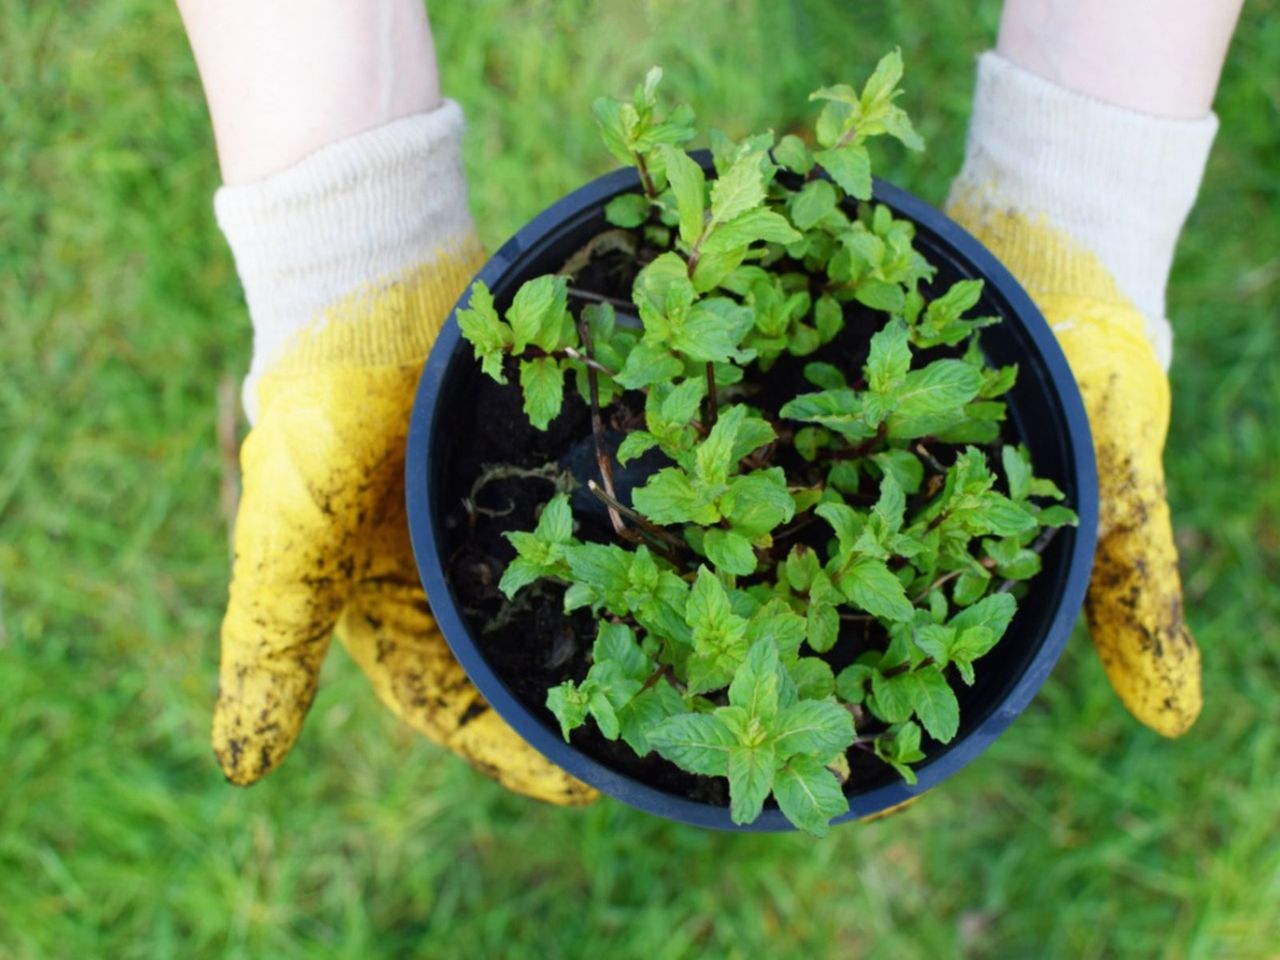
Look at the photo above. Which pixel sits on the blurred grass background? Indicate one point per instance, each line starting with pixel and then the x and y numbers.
pixel 1078 835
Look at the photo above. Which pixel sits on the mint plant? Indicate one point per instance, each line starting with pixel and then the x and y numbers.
pixel 796 580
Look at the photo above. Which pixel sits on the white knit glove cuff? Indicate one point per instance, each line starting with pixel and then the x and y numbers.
pixel 358 212
pixel 1119 182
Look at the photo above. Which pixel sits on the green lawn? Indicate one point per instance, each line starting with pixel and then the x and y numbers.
pixel 1078 835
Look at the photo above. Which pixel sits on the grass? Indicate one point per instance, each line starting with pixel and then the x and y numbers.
pixel 1078 835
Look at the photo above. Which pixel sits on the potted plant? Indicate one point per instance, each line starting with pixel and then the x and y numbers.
pixel 747 488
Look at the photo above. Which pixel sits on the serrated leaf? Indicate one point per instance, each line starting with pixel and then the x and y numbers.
pixel 713 458
pixel 760 225
pixel 616 643
pixel 934 703
pixel 757 502
pixel 627 210
pixel 846 522
pixel 809 795
pixel 669 496
pixel 519 574
pixel 814 201
pixel 823 626
pixel 825 376
pixel 688 184
pixel 800 566
pixel 647 364
pixel 850 167
pixel 854 682
pixel 542 381
pixel 840 410
pixel 696 742
pixel 555 525
pixel 820 728
pixel 828 317
pixel 889 358
pixel 880 86
pixel 1017 471
pixel 712 331
pixel 756 683
pixel 750 772
pixel 739 190
pixel 569 706
pixel 777 622
pixel 932 397
pixel 635 444
pixel 793 154
pixel 729 551
pixel 869 585
pixel 645 711
pixel 994 612
pixel 608 116
pixel 880 295
pixel 813 678
pixel 537 313
pixel 891 697
pixel 904 466
pixel 488 335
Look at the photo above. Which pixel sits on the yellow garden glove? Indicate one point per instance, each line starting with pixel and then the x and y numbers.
pixel 350 261
pixel 1083 202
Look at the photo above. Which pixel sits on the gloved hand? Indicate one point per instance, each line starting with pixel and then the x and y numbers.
pixel 350 260
pixel 1083 202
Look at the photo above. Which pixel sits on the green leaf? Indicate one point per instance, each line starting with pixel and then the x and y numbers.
pixel 823 626
pixel 635 444
pixel 537 313
pixel 809 795
pixel 800 566
pixel 729 551
pixel 880 295
pixel 555 525
pixel 869 585
pixel 662 288
pixel 669 496
pixel 647 364
pixel 889 358
pixel 854 682
pixel 487 334
pixel 602 572
pixel 850 167
pixel 616 643
pixel 542 381
pixel 932 397
pixel 828 317
pixel 778 622
pixel 750 772
pixel 696 742
pixel 758 502
pixel 840 410
pixel 608 115
pixel 714 458
pixel 719 635
pixel 881 85
pixel 712 331
pixel 519 574
pixel 825 376
pixel 891 506
pixel 627 210
pixel 820 728
pixel 569 705
pixel 688 184
pixel 754 226
pixel 891 697
pixel 741 189
pixel 814 201
pixel 994 612
pixel 845 521
pixel 934 703
pixel 969 587
pixel 645 711
pixel 793 154
pixel 904 466
pixel 814 678
pixel 757 681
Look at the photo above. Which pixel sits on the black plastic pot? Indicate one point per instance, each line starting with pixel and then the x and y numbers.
pixel 1045 410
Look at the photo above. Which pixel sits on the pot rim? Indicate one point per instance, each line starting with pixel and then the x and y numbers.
pixel 583 205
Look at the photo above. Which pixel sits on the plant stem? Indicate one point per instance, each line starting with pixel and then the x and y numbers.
pixel 603 461
pixel 646 180
pixel 713 409
pixel 661 536
pixel 592 364
pixel 600 298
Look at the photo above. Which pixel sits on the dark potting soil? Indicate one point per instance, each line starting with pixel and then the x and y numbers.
pixel 502 471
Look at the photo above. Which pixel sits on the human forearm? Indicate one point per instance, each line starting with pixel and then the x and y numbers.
pixel 286 77
pixel 1161 57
